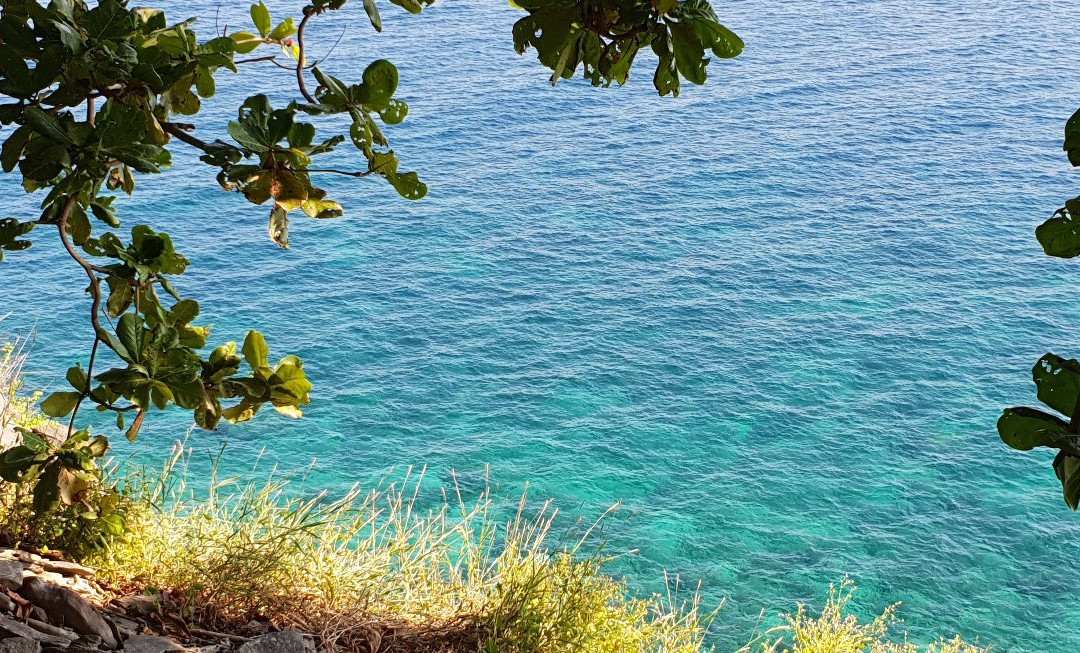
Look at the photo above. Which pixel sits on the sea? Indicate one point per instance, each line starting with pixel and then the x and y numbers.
pixel 776 317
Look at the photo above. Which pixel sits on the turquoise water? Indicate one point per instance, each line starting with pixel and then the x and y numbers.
pixel 777 317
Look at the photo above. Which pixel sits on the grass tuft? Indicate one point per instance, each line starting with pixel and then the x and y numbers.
pixel 835 630
pixel 373 571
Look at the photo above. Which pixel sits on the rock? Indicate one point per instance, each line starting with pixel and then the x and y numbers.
pixel 20 645
pixel 286 641
pixel 66 568
pixel 150 644
pixel 11 574
pixel 123 622
pixel 6 604
pixel 11 628
pixel 49 629
pixel 39 614
pixel 139 605
pixel 67 608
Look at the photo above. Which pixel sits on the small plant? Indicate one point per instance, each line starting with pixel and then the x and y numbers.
pixel 835 630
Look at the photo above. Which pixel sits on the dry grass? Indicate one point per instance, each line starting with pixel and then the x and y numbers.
pixel 835 630
pixel 373 571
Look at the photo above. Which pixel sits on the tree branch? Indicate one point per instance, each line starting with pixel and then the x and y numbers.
pixel 179 131
pixel 347 173
pixel 95 293
pixel 300 57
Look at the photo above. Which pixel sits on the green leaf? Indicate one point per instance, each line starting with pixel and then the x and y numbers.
pixel 411 6
pixel 373 14
pixel 255 350
pixel 184 311
pixel 76 376
pixel 1072 138
pixel 241 412
pixel 59 404
pixel 16 461
pixel 204 82
pixel 245 41
pixel 689 53
pixel 46 492
pixel 408 185
pixel 1058 381
pixel 190 395
pixel 395 112
pixel 1026 428
pixel 260 15
pixel 13 147
pixel 1060 235
pixel 45 124
pixel 1067 469
pixel 279 226
pixel 285 29
pixel 322 209
pixel 16 74
pixel 381 78
pixel 129 330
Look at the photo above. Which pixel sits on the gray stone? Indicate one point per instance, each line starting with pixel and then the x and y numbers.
pixel 49 629
pixel 11 574
pixel 39 613
pixel 67 608
pixel 20 645
pixel 123 622
pixel 150 644
pixel 12 628
pixel 66 568
pixel 139 605
pixel 6 603
pixel 286 641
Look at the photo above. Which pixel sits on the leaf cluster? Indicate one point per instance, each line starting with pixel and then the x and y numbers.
pixel 605 36
pixel 1057 379
pixel 65 475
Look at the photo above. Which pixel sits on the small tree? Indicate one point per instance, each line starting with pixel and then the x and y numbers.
pixel 100 95
pixel 1057 379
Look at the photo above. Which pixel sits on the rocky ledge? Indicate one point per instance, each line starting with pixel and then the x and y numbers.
pixel 55 606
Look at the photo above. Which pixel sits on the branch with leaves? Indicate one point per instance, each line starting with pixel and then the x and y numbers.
pixel 1057 379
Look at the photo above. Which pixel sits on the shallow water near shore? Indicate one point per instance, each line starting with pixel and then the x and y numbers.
pixel 777 317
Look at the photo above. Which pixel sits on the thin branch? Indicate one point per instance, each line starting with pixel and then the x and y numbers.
pixel 272 58
pixel 94 290
pixel 300 61
pixel 179 130
pixel 332 48
pixel 86 390
pixel 347 173
pixel 269 57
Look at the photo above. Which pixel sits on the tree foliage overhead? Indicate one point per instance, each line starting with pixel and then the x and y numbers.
pixel 1057 379
pixel 98 94
pixel 605 36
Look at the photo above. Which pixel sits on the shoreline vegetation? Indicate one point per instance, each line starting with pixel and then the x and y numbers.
pixel 372 571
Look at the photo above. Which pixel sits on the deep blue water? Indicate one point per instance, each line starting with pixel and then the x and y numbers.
pixel 777 317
